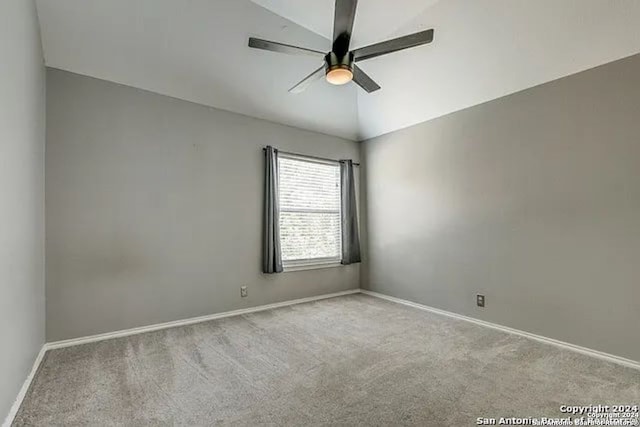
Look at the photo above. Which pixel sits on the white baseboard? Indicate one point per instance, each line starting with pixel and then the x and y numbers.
pixel 565 345
pixel 191 321
pixel 25 387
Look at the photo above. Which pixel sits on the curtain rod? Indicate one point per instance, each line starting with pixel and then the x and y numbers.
pixel 324 159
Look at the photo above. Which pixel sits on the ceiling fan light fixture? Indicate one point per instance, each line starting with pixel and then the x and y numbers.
pixel 339 75
pixel 339 66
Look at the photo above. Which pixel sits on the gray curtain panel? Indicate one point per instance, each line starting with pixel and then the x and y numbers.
pixel 350 236
pixel 271 251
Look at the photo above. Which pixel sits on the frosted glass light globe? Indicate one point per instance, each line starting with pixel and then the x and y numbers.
pixel 339 76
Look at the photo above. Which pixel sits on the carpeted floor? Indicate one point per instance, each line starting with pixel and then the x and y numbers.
pixel 352 360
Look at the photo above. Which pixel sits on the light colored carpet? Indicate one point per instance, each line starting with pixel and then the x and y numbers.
pixel 353 360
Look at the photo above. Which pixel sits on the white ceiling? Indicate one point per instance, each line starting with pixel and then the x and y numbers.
pixel 375 19
pixel 485 49
pixel 196 50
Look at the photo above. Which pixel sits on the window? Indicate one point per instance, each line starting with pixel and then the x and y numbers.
pixel 309 211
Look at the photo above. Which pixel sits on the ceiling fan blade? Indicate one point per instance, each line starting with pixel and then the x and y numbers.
pixel 306 82
pixel 363 80
pixel 345 15
pixel 283 48
pixel 393 45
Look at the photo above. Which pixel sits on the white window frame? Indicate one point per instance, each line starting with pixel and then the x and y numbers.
pixel 313 263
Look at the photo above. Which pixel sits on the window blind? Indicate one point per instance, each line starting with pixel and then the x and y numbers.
pixel 309 211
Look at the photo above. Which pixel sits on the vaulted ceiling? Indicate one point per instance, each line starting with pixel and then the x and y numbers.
pixel 196 50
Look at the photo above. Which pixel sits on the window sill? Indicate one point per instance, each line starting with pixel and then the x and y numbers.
pixel 303 267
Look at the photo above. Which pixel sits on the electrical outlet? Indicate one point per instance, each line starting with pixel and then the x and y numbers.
pixel 480 300
pixel 243 291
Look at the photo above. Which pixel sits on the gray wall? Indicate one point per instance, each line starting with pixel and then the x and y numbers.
pixel 532 200
pixel 154 209
pixel 22 120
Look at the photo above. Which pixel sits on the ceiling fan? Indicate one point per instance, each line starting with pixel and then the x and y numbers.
pixel 339 64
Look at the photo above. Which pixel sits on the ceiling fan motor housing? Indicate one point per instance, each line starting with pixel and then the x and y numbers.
pixel 333 61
